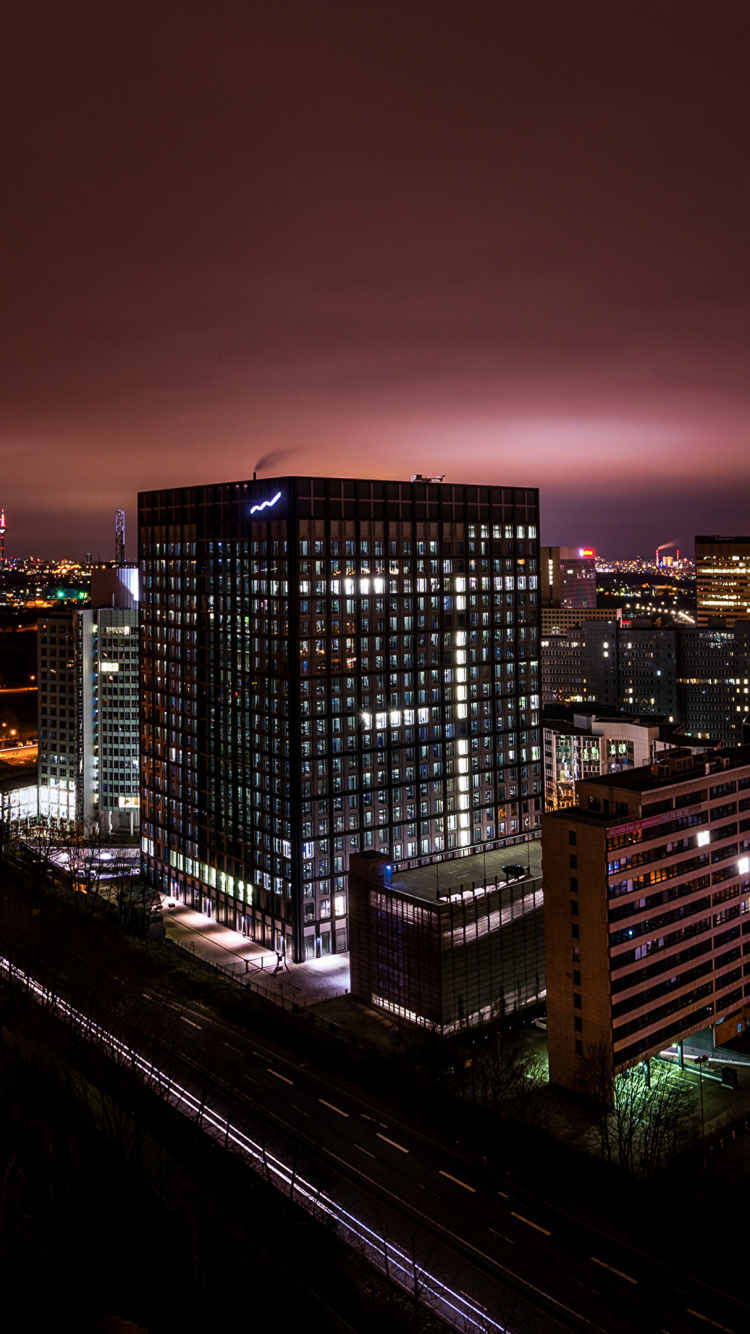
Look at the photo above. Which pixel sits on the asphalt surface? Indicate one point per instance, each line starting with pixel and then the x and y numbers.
pixel 486 1253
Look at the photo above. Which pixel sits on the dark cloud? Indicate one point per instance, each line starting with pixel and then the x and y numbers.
pixel 500 241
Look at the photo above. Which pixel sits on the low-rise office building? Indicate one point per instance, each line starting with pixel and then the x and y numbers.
pixel 647 886
pixel 589 745
pixel 455 943
pixel 19 794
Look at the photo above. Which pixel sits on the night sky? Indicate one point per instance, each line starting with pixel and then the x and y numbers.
pixel 503 241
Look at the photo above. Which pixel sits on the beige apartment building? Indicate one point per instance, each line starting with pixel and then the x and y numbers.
pixel 646 922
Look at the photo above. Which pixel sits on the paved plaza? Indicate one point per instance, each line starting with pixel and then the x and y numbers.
pixel 252 964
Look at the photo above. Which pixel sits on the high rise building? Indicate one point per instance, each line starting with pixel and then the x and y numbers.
pixel 722 575
pixel 697 677
pixel 567 577
pixel 88 699
pixel 333 666
pixel 58 715
pixel 646 911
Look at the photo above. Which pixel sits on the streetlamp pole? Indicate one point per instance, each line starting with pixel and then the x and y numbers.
pixel 701 1060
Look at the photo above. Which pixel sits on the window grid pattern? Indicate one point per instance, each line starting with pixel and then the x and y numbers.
pixel 354 668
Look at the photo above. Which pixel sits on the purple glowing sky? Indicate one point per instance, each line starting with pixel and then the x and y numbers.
pixel 503 241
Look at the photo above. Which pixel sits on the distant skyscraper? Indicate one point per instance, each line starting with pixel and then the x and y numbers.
pixel 697 677
pixel 567 577
pixel 332 666
pixel 722 572
pixel 89 706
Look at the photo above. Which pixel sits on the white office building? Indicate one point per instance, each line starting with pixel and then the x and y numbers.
pixel 89 707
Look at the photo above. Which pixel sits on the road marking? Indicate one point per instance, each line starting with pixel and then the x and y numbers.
pixel 333 1109
pixel 502 1236
pixel 185 1020
pixel 502 1192
pixel 367 1151
pixel 301 1110
pixel 400 1147
pixel 709 1321
pixel 276 1074
pixel 458 1183
pixel 231 1048
pixel 382 1124
pixel 612 1269
pixel 521 1219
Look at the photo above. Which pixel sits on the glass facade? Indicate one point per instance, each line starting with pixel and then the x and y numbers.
pixel 58 715
pixel 332 666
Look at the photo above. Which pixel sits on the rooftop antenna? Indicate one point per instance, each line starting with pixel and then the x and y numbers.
pixel 2 539
pixel 119 537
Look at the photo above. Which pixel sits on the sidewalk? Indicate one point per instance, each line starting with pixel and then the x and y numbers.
pixel 254 965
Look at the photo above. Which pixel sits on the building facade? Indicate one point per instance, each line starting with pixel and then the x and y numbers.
pixel 722 577
pixel 559 620
pixel 693 676
pixel 647 888
pixel 590 746
pixel 332 666
pixel 89 707
pixel 568 577
pixel 58 715
pixel 19 795
pixel 459 944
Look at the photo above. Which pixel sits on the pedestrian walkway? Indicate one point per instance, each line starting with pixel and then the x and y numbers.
pixel 254 965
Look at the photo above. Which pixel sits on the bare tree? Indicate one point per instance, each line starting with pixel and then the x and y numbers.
pixel 9 835
pixel 40 842
pixel 596 1084
pixel 642 1116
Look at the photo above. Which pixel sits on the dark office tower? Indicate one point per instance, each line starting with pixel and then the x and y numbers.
pixel 333 666
pixel 722 574
pixel 708 686
pixel 567 577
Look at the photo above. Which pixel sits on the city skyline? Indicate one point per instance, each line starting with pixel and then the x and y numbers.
pixel 505 245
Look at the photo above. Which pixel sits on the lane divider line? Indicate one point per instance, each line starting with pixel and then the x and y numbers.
pixel 333 1109
pixel 529 1223
pixel 458 1183
pixel 393 1142
pixel 612 1269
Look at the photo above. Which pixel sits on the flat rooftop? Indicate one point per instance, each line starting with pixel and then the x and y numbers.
pixel 722 762
pixel 479 869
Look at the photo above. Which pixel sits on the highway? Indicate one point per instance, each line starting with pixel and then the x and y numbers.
pixel 482 1252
